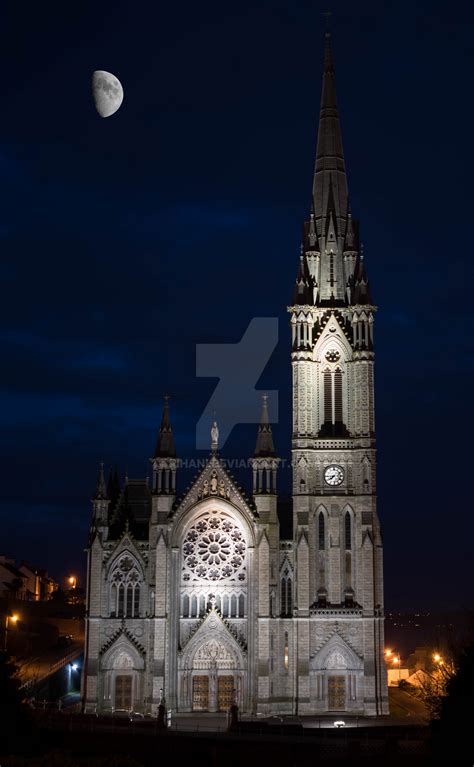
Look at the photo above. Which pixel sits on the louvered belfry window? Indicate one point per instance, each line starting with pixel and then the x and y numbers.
pixel 328 397
pixel 337 396
pixel 333 424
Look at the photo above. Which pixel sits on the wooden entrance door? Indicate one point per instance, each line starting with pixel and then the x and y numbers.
pixel 123 692
pixel 336 693
pixel 225 692
pixel 200 693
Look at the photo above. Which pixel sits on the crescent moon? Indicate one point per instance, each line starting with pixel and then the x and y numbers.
pixel 107 92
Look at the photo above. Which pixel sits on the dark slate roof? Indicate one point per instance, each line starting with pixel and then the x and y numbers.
pixel 133 508
pixel 13 570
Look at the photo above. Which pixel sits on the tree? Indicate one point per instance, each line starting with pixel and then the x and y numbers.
pixel 452 732
pixel 15 719
pixel 432 686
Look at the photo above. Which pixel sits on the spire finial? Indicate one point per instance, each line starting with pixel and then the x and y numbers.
pixel 101 489
pixel 330 182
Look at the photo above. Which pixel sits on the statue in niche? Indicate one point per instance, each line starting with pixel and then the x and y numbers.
pixel 213 483
pixel 222 488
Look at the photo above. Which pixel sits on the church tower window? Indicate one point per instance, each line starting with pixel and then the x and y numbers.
pixel 286 594
pixel 321 532
pixel 348 531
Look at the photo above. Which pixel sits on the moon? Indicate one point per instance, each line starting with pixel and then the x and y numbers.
pixel 107 92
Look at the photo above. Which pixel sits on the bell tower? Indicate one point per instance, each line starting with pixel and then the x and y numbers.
pixel 335 524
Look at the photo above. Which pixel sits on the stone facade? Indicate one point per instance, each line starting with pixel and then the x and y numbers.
pixel 199 601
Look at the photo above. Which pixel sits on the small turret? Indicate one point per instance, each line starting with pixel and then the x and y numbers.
pixel 100 501
pixel 164 459
pixel 264 461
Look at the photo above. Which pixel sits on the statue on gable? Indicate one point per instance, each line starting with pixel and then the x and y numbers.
pixel 214 436
pixel 214 483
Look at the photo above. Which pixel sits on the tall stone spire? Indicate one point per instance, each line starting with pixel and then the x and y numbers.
pixel 101 488
pixel 264 446
pixel 165 447
pixel 330 182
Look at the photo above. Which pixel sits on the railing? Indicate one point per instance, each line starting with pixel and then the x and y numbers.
pixel 52 668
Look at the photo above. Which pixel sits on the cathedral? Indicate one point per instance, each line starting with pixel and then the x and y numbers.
pixel 195 600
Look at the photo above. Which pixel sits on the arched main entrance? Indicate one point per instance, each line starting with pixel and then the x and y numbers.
pixel 212 669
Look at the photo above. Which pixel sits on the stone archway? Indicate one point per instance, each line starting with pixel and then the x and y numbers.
pixel 211 669
pixel 122 667
pixel 336 677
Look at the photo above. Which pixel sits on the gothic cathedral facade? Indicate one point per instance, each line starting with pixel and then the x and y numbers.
pixel 197 600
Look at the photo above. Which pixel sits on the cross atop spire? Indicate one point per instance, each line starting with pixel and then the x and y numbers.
pixel 165 447
pixel 330 182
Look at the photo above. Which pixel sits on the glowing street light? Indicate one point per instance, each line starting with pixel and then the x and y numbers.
pixel 13 618
pixel 388 653
pixel 72 580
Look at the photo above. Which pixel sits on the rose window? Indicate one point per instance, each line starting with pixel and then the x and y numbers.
pixel 214 549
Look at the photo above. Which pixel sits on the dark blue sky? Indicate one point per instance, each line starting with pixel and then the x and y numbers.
pixel 127 241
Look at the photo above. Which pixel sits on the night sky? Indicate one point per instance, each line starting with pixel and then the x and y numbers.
pixel 127 241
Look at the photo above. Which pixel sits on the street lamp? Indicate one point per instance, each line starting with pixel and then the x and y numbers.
pixel 72 580
pixel 13 618
pixel 396 660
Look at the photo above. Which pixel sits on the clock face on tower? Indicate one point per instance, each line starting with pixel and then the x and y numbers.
pixel 333 475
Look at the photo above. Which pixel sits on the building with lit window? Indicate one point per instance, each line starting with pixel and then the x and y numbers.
pixel 196 598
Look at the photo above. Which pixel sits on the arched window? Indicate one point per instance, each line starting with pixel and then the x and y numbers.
pixel 327 397
pixel 333 418
pixel 194 606
pixel 129 600
pixel 125 578
pixel 113 600
pixel 185 606
pixel 286 595
pixel 241 606
pixel 347 531
pixel 136 600
pixel 202 605
pixel 286 653
pixel 337 397
pixel 321 532
pixel 233 606
pixel 225 606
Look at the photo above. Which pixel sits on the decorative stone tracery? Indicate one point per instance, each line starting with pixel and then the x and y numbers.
pixel 214 549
